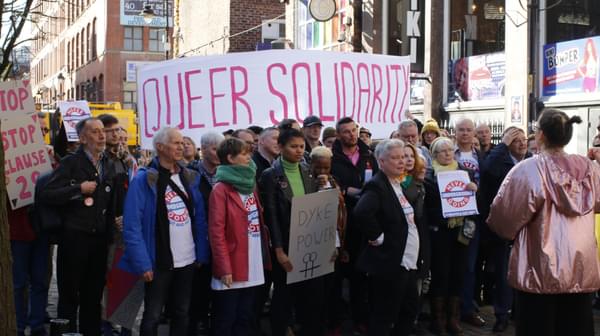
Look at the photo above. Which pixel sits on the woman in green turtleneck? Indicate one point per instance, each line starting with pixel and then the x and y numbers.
pixel 288 178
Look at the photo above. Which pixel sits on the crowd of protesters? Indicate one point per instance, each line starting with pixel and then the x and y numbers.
pixel 207 230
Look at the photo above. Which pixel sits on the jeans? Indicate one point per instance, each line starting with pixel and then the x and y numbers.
pixel 30 279
pixel 175 285
pixel 234 311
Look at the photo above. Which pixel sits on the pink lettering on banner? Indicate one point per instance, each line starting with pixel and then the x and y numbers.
pixel 191 98
pixel 395 67
pixel 337 91
pixel 347 66
pixel 322 116
pixel 181 101
pixel 405 78
pixel 236 96
pixel 277 93
pixel 362 89
pixel 295 68
pixel 376 90
pixel 214 96
pixel 158 107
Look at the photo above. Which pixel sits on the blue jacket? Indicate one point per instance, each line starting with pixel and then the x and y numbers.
pixel 139 220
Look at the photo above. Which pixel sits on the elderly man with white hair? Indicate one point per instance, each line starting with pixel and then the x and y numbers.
pixel 165 232
pixel 409 133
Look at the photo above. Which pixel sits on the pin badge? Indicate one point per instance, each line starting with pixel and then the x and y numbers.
pixel 107 189
pixel 88 201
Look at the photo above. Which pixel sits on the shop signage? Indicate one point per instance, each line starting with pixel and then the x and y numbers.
pixel 131 9
pixel 480 77
pixel 217 93
pixel 571 67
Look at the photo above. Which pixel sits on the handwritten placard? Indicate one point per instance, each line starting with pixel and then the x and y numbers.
pixel 312 235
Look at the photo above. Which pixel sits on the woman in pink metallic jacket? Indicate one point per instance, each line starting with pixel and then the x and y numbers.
pixel 546 205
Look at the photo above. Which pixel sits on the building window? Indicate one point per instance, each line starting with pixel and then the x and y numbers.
pixel 323 35
pixel 477 60
pixel 101 88
pixel 156 39
pixel 133 39
pixel 94 50
pixel 129 99
pixel 407 32
pixel 88 40
pixel 82 55
pixel 572 19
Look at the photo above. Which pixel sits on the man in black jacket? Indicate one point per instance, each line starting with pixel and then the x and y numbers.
pixel 496 166
pixel 267 151
pixel 353 165
pixel 83 184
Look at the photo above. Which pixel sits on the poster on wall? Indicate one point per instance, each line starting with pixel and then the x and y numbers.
pixel 216 93
pixel 571 67
pixel 516 109
pixel 480 77
pixel 131 9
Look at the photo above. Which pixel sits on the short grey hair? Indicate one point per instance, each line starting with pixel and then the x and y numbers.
pixel 465 120
pixel 211 139
pixel 385 146
pixel 437 143
pixel 406 124
pixel 162 137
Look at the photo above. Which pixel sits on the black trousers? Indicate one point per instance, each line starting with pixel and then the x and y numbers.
pixel 176 285
pixel 554 314
pixel 201 299
pixel 305 297
pixel 394 301
pixel 234 311
pixel 448 263
pixel 81 276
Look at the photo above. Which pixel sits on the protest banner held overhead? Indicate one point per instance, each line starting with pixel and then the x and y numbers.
pixel 312 235
pixel 72 112
pixel 25 157
pixel 15 96
pixel 456 200
pixel 233 91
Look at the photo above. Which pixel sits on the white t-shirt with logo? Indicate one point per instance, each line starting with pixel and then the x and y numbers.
pixel 180 226
pixel 411 250
pixel 469 161
pixel 256 276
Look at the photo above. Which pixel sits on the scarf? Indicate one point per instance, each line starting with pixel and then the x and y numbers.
pixel 438 168
pixel 242 178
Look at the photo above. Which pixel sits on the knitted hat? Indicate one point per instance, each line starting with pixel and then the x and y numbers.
pixel 431 126
pixel 329 132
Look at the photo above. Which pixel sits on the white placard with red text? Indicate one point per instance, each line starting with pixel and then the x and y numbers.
pixel 25 157
pixel 72 112
pixel 456 200
pixel 217 93
pixel 15 96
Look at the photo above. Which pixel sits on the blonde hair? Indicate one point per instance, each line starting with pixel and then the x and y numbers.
pixel 321 152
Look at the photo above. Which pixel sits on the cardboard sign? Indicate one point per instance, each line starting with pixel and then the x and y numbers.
pixel 15 96
pixel 217 93
pixel 72 112
pixel 312 235
pixel 456 200
pixel 25 157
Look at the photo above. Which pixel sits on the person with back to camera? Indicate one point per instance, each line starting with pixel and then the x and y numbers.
pixel 547 205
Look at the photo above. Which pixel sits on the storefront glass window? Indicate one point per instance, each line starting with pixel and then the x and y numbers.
pixel 476 69
pixel 329 35
pixel 571 20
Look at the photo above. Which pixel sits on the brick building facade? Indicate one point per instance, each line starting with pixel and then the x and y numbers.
pixel 81 51
pixel 204 27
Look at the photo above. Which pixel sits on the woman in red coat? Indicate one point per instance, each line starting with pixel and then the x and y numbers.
pixel 238 240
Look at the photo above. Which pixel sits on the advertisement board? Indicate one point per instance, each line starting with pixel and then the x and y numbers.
pixel 131 13
pixel 480 77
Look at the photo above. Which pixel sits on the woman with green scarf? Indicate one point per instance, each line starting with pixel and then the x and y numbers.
pixel 448 244
pixel 238 241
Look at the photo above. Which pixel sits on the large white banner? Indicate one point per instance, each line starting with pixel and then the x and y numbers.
pixel 456 200
pixel 313 227
pixel 72 112
pixel 25 156
pixel 217 93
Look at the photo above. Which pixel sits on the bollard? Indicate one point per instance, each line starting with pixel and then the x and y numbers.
pixel 59 327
